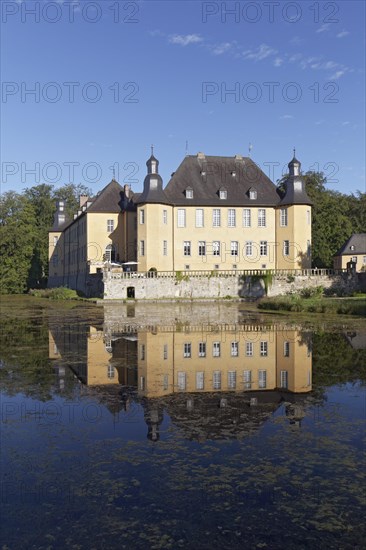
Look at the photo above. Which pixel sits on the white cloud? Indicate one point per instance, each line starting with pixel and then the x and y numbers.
pixel 278 62
pixel 296 40
pixel 323 28
pixel 337 74
pixel 286 117
pixel 185 39
pixel 346 123
pixel 342 34
pixel 262 52
pixel 219 49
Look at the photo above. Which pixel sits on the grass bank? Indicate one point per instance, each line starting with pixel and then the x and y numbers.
pixel 59 293
pixel 296 303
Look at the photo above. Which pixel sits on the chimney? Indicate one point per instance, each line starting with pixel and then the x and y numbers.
pixel 83 199
pixel 201 156
pixel 126 190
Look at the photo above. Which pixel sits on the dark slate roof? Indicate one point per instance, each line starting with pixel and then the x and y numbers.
pixel 295 191
pixel 358 240
pixel 206 176
pixel 152 193
pixel 109 199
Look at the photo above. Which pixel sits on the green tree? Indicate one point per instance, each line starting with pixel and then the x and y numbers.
pixel 70 192
pixel 41 198
pixel 17 241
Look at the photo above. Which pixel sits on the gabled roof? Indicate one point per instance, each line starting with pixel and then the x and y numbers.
pixel 358 241
pixel 208 174
pixel 110 199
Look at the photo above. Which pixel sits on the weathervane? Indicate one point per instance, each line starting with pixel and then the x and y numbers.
pixel 186 147
pixel 250 148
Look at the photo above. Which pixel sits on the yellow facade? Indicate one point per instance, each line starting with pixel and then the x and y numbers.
pixel 170 362
pixel 163 244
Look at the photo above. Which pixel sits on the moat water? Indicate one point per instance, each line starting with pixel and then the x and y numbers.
pixel 199 426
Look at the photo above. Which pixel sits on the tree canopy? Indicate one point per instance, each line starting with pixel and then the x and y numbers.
pixel 25 220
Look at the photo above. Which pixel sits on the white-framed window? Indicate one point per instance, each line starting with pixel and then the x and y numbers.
pixel 110 226
pixel 264 348
pixel 202 349
pixel 142 352
pixel 165 352
pixel 263 248
pixel 199 217
pixel 216 217
pixel 231 217
pixel 283 217
pixel 284 379
pixel 247 217
pixel 223 194
pixel 202 248
pixel 181 217
pixel 364 260
pixel 142 248
pixel 55 240
pixel 249 349
pixel 200 380
pixel 216 248
pixel 286 349
pixel 252 194
pixel 189 193
pixel 165 217
pixel 247 379
pixel 165 382
pixel 234 349
pixel 186 248
pixel 61 206
pixel 142 383
pixel 216 379
pixel 354 259
pixel 261 217
pixel 308 216
pixel 109 253
pixel 231 379
pixel 110 372
pixel 234 248
pixel 262 379
pixel 187 349
pixel 142 216
pixel 165 248
pixel 249 248
pixel 182 380
pixel 216 349
pixel 286 248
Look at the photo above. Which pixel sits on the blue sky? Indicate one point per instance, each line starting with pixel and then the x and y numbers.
pixel 111 78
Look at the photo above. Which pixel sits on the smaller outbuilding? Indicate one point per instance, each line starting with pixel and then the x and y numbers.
pixel 352 254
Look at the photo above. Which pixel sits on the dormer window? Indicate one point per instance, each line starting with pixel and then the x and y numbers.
pixel 189 193
pixel 233 173
pixel 203 173
pixel 252 194
pixel 352 247
pixel 223 194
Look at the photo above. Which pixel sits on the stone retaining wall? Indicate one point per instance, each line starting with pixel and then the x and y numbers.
pixel 217 287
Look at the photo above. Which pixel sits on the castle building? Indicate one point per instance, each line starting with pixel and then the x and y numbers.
pixel 215 213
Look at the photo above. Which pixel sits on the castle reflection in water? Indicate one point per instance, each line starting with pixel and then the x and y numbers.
pixel 214 381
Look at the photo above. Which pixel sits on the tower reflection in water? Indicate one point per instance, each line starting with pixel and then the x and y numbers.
pixel 214 381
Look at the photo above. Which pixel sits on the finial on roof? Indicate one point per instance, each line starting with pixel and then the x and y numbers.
pixel 113 171
pixel 250 148
pixel 294 152
pixel 152 150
